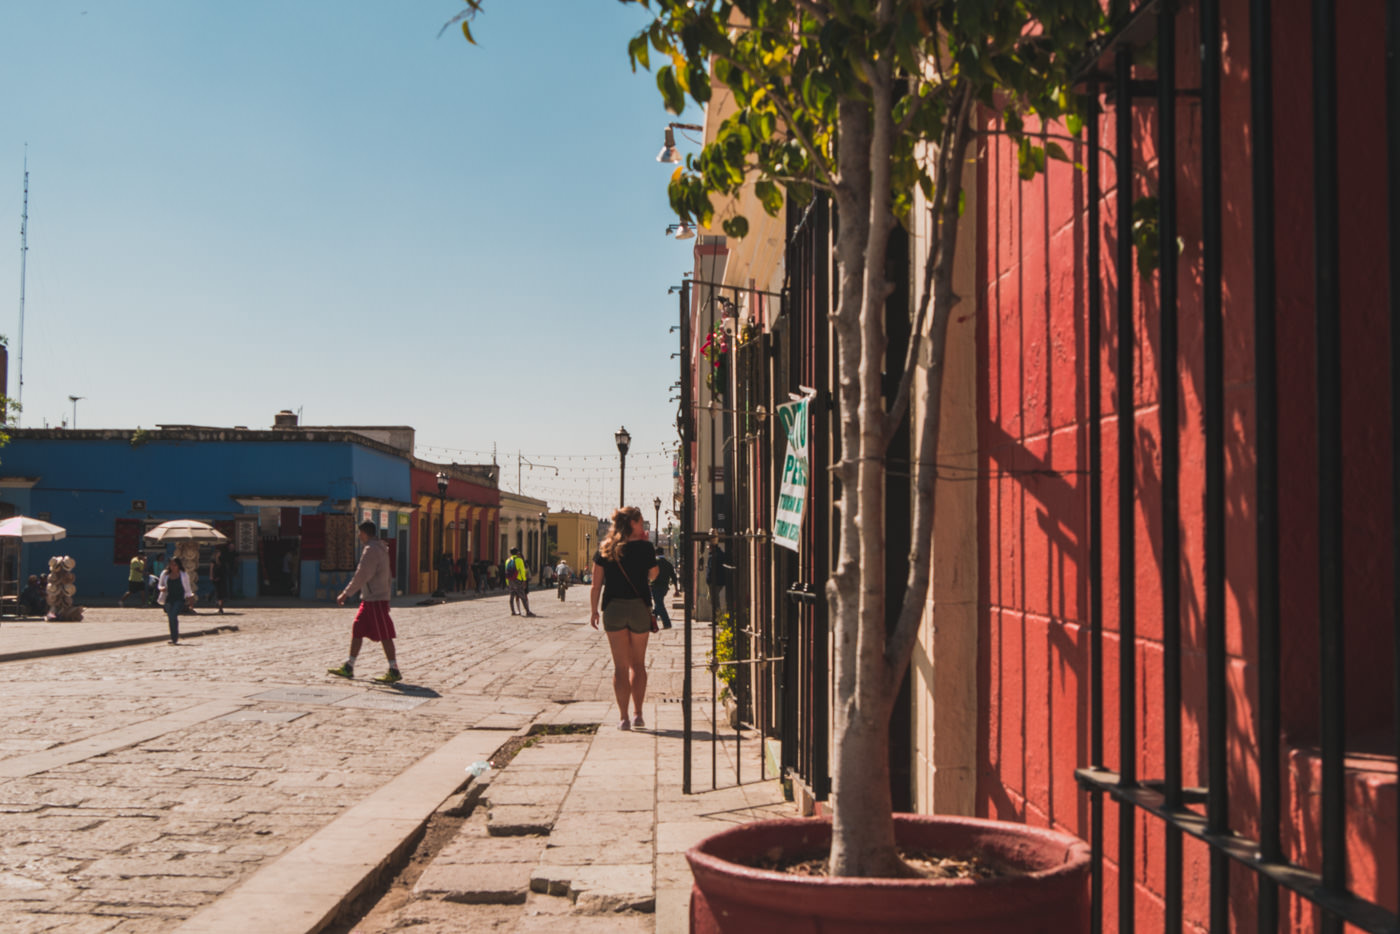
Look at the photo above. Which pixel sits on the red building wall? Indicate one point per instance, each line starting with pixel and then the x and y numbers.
pixel 461 494
pixel 1033 508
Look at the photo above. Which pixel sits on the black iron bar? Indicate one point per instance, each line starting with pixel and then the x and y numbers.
pixel 1127 527
pixel 1094 430
pixel 823 548
pixel 1393 223
pixel 1367 916
pixel 1266 447
pixel 687 420
pixel 1169 418
pixel 1392 126
pixel 1326 260
pixel 1217 761
pixel 714 694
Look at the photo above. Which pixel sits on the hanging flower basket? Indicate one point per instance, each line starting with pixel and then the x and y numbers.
pixel 716 350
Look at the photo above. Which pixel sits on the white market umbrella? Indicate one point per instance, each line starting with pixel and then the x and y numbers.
pixel 185 530
pixel 31 530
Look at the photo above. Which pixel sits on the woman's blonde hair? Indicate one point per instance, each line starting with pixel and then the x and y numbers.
pixel 623 521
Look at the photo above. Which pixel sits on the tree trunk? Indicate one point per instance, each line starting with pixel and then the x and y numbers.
pixel 863 826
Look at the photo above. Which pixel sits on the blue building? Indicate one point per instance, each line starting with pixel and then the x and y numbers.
pixel 288 498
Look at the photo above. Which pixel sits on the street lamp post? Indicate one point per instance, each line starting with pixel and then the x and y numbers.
pixel 624 440
pixel 656 523
pixel 544 548
pixel 74 400
pixel 442 532
pixel 587 551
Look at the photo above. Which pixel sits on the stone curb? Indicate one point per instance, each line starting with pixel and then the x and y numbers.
pixel 112 644
pixel 304 890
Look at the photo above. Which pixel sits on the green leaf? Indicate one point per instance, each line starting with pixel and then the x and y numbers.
pixel 467 31
pixel 1055 151
pixel 671 92
pixel 700 87
pixel 1074 123
pixel 769 195
pixel 737 227
pixel 638 53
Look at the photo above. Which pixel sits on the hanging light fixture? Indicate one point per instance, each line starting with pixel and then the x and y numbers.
pixel 668 151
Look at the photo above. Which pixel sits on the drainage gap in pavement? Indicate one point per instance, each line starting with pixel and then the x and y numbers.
pixel 378 907
pixel 394 887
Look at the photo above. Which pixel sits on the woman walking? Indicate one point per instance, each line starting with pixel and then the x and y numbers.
pixel 623 570
pixel 175 593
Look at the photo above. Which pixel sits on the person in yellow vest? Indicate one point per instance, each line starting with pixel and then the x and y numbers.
pixel 518 576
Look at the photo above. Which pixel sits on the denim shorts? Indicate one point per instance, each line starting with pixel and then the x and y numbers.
pixel 632 613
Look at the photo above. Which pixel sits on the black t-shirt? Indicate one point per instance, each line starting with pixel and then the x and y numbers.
pixel 638 557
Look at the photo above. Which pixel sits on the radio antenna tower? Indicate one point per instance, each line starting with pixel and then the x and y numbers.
pixel 23 257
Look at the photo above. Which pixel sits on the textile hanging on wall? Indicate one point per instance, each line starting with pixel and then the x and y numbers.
pixel 313 538
pixel 340 543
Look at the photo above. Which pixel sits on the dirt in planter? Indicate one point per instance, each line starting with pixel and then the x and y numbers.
pixel 926 863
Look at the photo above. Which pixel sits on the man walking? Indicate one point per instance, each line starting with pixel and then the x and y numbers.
pixel 374 580
pixel 136 580
pixel 518 577
pixel 665 577
pixel 717 577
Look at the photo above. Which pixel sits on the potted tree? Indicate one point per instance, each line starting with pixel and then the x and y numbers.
pixel 877 103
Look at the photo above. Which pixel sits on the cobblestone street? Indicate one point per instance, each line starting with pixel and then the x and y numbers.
pixel 139 784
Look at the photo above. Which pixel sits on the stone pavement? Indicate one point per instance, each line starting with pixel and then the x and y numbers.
pixel 151 787
pixel 587 833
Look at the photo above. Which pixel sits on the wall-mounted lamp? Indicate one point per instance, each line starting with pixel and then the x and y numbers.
pixel 681 231
pixel 668 151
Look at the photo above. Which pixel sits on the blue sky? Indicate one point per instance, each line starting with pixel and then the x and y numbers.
pixel 241 207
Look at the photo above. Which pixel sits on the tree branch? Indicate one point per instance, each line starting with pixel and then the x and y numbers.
pixel 829 181
pixel 945 168
pixel 900 646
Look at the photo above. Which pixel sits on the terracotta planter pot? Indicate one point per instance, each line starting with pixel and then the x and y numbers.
pixel 1048 892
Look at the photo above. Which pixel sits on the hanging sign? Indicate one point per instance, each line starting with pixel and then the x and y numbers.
pixel 792 495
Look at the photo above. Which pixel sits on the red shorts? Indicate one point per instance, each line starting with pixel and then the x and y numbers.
pixel 373 622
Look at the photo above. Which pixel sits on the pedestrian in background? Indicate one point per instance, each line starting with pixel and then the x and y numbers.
pixel 665 577
pixel 565 576
pixel 717 577
pixel 518 578
pixel 33 601
pixel 175 595
pixel 220 572
pixel 374 581
pixel 623 568
pixel 135 580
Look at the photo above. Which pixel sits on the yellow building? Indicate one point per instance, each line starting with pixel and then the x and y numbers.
pixel 573 537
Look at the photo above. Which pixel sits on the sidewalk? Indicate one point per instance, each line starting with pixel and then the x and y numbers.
pixel 586 834
pixel 35 638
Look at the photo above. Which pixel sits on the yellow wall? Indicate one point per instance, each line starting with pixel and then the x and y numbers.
pixel 573 547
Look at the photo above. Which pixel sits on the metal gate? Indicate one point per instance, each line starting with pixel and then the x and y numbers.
pixel 1204 813
pixel 744 460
